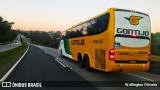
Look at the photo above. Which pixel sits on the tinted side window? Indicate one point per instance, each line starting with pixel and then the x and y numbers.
pixel 92 27
pixel 105 22
pixel 98 25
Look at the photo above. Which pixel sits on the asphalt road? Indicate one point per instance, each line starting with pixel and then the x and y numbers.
pixel 39 66
pixel 45 64
pixel 15 44
pixel 155 67
pixel 104 76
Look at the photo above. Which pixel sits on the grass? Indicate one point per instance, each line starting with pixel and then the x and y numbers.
pixel 11 55
pixel 7 42
pixel 155 58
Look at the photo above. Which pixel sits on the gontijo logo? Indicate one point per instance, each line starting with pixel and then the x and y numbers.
pixel 134 20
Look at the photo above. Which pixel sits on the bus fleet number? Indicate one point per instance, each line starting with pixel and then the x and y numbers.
pixel 99 41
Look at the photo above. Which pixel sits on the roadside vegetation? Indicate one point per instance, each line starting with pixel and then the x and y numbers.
pixel 12 55
pixel 155 45
pixel 7 42
pixel 155 58
pixel 49 39
pixel 6 32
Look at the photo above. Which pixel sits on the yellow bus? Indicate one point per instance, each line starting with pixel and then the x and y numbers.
pixel 117 40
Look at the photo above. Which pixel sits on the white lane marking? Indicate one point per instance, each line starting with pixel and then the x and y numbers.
pixel 39 48
pixel 142 77
pixel 13 67
pixel 63 63
pixel 60 63
pixel 70 67
pixel 58 60
pixel 45 52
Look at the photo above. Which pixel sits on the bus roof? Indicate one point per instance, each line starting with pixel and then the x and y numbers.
pixel 90 19
pixel 87 20
pixel 113 8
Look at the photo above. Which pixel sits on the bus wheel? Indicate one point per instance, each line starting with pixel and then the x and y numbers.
pixel 87 64
pixel 80 61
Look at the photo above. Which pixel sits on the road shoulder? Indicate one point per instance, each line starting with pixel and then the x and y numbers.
pixel 7 69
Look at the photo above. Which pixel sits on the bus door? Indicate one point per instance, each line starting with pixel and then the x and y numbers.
pixel 100 59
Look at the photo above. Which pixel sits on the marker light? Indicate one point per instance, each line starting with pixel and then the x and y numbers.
pixel 144 65
pixel 111 54
pixel 149 55
pixel 134 36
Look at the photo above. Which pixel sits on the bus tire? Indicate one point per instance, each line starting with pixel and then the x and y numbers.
pixel 80 61
pixel 62 54
pixel 87 64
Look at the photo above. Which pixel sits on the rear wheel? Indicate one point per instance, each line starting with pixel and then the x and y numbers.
pixel 87 64
pixel 80 61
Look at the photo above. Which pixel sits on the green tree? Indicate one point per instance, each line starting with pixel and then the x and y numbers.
pixel 5 29
pixel 155 43
pixel 44 38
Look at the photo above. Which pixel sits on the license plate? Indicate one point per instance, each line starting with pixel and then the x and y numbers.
pixel 132 61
